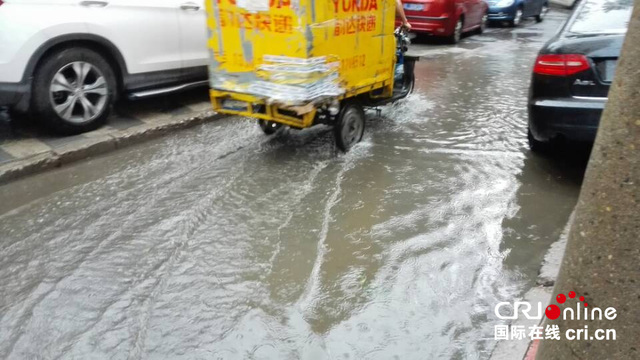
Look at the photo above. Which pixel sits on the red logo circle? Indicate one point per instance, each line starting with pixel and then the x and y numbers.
pixel 552 312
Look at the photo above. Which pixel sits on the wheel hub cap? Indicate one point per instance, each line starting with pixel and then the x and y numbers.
pixel 351 128
pixel 78 92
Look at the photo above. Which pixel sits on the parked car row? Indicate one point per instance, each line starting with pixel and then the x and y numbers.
pixel 451 18
pixel 514 11
pixel 446 18
pixel 573 72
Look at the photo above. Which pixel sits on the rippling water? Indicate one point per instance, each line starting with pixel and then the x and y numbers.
pixel 220 242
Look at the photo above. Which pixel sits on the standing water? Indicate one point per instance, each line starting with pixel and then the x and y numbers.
pixel 219 242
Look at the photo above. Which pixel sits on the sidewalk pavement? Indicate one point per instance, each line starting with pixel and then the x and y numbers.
pixel 31 149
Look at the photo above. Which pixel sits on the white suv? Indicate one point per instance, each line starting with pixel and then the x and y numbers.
pixel 66 61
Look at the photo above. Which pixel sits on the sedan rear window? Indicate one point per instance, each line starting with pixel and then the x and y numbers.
pixel 602 17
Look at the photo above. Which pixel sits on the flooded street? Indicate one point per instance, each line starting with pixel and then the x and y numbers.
pixel 222 243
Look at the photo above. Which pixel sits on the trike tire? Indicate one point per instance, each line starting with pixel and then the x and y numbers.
pixel 269 127
pixel 349 126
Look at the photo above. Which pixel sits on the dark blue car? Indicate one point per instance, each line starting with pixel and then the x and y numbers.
pixel 513 11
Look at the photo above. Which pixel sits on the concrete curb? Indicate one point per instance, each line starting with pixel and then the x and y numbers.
pixel 553 259
pixel 542 292
pixel 99 144
pixel 518 349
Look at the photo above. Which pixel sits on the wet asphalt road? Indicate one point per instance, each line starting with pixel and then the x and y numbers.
pixel 219 242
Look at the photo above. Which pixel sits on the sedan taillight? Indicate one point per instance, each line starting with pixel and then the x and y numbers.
pixel 561 65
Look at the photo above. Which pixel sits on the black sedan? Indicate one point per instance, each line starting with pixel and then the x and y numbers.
pixel 573 72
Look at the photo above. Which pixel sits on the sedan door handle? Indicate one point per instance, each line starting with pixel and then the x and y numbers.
pixel 94 3
pixel 190 6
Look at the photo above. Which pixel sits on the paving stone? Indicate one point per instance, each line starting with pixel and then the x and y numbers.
pixel 122 122
pixel 56 142
pixel 25 148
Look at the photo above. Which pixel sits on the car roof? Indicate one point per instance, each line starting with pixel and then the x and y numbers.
pixel 600 17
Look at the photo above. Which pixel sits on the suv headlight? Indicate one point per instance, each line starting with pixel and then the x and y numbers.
pixel 505 3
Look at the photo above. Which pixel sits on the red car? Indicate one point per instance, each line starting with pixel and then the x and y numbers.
pixel 446 18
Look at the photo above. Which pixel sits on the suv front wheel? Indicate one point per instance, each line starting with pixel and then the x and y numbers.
pixel 73 90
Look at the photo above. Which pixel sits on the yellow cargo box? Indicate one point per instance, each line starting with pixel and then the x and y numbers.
pixel 290 54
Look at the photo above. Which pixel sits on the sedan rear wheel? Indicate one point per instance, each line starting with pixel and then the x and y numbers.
pixel 543 12
pixel 517 18
pixel 540 147
pixel 483 23
pixel 457 32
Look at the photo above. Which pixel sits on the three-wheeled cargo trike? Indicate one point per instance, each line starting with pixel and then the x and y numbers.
pixel 298 63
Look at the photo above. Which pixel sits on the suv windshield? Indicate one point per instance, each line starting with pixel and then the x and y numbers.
pixel 602 17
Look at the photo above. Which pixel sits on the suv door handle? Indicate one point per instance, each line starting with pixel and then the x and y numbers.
pixel 94 3
pixel 190 6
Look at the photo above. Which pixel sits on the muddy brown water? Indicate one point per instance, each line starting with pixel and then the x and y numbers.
pixel 219 242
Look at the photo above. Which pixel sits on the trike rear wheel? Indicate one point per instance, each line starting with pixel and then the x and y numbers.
pixel 349 126
pixel 269 127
